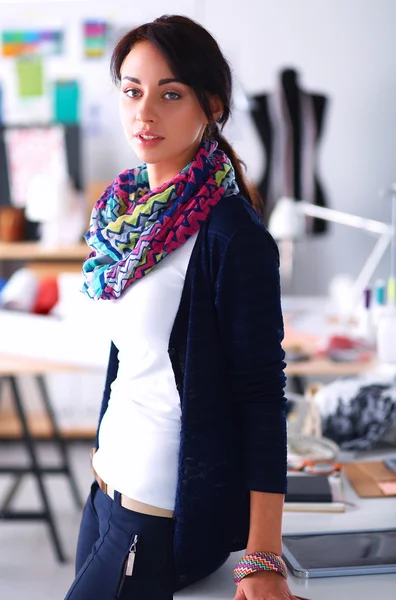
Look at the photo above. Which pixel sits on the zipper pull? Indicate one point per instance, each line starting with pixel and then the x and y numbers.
pixel 131 557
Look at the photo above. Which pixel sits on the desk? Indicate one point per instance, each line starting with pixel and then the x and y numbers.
pixel 370 514
pixel 40 425
pixel 323 367
pixel 10 369
pixel 305 323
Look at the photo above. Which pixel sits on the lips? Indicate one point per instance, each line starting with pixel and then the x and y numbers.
pixel 148 135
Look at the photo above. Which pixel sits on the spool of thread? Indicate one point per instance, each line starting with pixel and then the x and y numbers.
pixel 367 298
pixel 379 292
pixel 379 305
pixel 391 290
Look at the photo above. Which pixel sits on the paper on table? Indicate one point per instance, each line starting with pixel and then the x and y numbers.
pixel 387 487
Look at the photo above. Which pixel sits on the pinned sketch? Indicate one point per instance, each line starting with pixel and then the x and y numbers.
pixel 32 151
pixel 95 38
pixel 30 76
pixel 31 43
pixel 66 101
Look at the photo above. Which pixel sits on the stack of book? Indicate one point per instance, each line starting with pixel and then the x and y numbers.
pixel 314 493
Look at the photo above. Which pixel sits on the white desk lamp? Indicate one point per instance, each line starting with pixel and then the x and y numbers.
pixel 287 224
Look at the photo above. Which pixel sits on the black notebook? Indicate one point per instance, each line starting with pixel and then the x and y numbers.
pixel 308 488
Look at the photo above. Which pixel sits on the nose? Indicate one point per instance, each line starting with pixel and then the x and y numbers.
pixel 145 113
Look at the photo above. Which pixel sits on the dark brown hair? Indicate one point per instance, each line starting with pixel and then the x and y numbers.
pixel 195 58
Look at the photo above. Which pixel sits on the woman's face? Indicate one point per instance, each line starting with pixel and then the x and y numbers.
pixel 161 116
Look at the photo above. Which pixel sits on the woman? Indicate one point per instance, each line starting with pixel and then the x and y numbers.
pixel 190 460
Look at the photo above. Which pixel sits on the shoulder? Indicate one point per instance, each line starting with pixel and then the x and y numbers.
pixel 232 213
pixel 234 221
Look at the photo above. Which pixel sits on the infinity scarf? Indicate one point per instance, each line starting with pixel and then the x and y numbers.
pixel 132 228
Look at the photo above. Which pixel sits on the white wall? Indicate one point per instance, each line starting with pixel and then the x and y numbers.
pixel 342 48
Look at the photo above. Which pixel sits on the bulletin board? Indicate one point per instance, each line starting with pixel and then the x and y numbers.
pixel 49 72
pixel 65 77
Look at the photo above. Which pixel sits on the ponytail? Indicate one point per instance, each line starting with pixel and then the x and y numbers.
pixel 247 190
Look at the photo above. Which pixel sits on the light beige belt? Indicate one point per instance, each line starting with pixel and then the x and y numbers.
pixel 129 503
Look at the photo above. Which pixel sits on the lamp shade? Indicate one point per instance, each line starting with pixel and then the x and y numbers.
pixel 287 221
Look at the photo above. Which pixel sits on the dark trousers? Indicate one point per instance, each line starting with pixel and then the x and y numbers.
pixel 107 532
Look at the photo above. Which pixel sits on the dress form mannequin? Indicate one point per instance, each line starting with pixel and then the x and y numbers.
pixel 290 124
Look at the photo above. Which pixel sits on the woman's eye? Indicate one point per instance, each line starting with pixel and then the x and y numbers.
pixel 132 93
pixel 172 95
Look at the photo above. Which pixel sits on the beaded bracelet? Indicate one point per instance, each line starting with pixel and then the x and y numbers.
pixel 259 561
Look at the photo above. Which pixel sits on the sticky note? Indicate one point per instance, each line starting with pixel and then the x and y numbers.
pixel 66 101
pixel 30 76
pixel 388 488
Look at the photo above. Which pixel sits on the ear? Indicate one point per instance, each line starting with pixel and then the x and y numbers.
pixel 216 106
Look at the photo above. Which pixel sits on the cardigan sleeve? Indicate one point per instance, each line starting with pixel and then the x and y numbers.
pixel 251 328
pixel 112 370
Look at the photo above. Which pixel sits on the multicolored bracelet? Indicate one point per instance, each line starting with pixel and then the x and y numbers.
pixel 259 561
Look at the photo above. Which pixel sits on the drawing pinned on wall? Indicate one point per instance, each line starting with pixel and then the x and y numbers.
pixel 31 152
pixel 30 77
pixel 95 38
pixel 31 42
pixel 66 101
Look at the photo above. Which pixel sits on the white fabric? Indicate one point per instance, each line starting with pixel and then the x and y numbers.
pixel 139 435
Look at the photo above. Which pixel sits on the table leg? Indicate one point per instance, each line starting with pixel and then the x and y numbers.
pixel 59 440
pixel 36 470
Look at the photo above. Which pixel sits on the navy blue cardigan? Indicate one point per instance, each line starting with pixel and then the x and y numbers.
pixel 225 349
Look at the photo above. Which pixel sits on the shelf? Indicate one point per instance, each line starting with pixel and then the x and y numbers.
pixel 37 251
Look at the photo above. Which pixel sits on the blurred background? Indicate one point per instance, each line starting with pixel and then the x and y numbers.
pixel 313 119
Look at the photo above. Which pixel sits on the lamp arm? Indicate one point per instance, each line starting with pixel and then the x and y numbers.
pixel 329 214
pixel 370 266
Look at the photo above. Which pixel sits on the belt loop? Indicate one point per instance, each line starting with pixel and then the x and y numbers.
pixel 117 497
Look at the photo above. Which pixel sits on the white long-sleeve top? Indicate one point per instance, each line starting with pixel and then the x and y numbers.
pixel 139 435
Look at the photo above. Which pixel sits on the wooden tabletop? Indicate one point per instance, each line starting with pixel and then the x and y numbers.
pixel 39 427
pixel 37 251
pixel 320 367
pixel 20 365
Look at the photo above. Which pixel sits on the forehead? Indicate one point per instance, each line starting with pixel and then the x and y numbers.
pixel 145 60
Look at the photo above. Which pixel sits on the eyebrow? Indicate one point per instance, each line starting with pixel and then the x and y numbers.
pixel 161 81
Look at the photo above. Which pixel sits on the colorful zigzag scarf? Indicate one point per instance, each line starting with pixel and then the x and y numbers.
pixel 132 228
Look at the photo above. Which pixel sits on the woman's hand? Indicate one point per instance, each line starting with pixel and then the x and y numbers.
pixel 263 585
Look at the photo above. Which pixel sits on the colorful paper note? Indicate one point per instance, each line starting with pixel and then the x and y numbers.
pixel 66 101
pixel 95 38
pixel 31 42
pixel 30 77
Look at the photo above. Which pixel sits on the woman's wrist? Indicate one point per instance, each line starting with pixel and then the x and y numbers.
pixel 259 561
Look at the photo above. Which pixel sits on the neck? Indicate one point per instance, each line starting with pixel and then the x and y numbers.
pixel 164 171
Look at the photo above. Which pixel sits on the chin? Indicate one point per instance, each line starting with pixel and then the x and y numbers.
pixel 147 155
